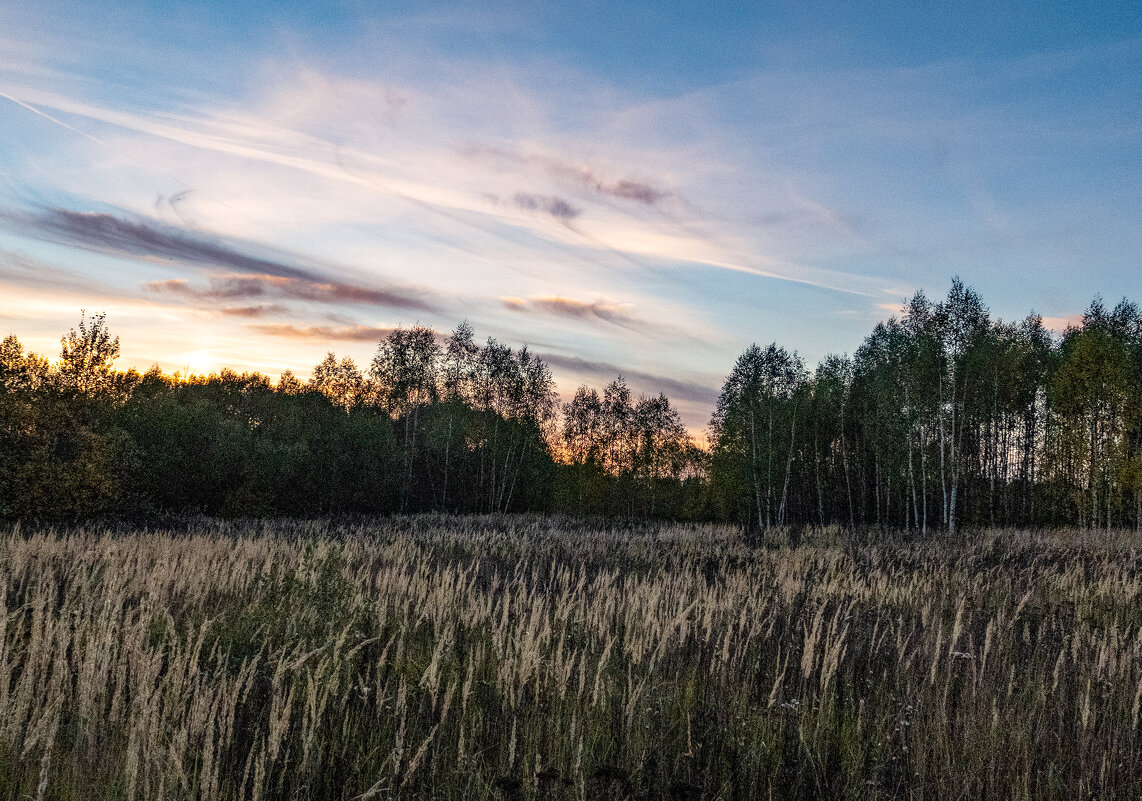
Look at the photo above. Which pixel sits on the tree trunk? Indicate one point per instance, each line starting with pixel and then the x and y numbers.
pixel 769 472
pixel 753 466
pixel 1091 476
pixel 876 482
pixel 943 446
pixel 817 472
pixel 447 456
pixel 788 468
pixel 924 478
pixel 993 451
pixel 912 483
pixel 845 462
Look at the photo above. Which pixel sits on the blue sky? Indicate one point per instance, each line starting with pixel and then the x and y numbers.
pixel 632 187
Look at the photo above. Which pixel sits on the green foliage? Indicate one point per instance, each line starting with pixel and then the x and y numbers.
pixel 944 418
pixel 87 357
pixel 754 432
pixel 624 456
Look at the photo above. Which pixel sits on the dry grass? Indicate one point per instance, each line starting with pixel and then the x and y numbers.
pixel 526 658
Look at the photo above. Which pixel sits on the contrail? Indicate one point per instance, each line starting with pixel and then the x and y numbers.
pixel 103 144
pixel 49 117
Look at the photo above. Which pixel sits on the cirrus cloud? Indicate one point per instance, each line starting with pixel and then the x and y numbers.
pixel 593 311
pixel 346 333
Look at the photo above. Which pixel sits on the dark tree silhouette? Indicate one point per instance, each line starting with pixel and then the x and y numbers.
pixel 943 419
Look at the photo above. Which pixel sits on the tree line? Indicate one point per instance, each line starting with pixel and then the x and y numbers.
pixel 944 418
pixel 433 423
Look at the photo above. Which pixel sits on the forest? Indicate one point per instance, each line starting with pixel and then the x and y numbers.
pixel 943 419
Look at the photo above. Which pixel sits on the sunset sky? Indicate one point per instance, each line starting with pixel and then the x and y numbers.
pixel 635 187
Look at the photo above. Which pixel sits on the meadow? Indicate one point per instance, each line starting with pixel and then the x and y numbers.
pixel 544 658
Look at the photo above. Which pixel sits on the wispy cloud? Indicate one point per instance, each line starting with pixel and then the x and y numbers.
pixel 347 333
pixel 150 240
pixel 263 310
pixel 594 311
pixel 107 233
pixel 24 270
pixel 232 287
pixel 648 383
pixel 557 207
pixel 344 133
pixel 576 175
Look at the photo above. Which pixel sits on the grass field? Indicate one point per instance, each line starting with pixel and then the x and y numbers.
pixel 529 658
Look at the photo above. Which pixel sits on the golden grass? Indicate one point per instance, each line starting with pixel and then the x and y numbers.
pixel 528 658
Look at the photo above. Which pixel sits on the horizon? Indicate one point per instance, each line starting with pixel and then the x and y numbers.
pixel 630 189
pixel 677 392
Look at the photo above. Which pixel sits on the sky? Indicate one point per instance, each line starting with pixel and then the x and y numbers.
pixel 636 188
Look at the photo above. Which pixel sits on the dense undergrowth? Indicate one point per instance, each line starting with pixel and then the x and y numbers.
pixel 521 658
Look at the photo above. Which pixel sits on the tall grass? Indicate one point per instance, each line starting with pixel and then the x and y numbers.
pixel 526 658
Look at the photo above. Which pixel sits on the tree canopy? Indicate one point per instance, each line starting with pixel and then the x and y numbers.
pixel 943 418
